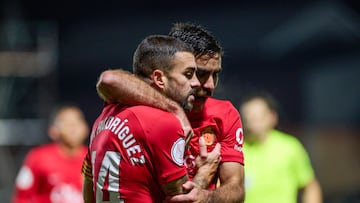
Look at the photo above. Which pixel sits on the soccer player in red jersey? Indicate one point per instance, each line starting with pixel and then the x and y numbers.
pixel 217 121
pixel 50 173
pixel 136 153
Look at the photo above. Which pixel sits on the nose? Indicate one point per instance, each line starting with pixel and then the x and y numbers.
pixel 195 83
pixel 209 84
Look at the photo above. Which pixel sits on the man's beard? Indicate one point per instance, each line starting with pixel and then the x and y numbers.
pixel 186 104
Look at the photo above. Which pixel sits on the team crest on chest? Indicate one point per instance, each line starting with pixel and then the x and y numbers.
pixel 209 135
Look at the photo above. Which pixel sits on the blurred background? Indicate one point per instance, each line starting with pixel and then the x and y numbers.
pixel 307 53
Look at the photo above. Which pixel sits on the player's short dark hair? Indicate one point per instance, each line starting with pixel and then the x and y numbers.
pixel 157 52
pixel 202 41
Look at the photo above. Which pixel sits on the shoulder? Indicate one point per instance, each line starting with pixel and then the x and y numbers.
pixel 220 108
pixel 158 126
pixel 41 152
pixel 153 116
pixel 43 149
pixel 281 135
pixel 140 112
pixel 286 139
pixel 83 150
pixel 150 112
pixel 219 102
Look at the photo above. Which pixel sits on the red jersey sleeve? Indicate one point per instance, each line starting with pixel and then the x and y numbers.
pixel 86 168
pixel 233 136
pixel 167 145
pixel 27 180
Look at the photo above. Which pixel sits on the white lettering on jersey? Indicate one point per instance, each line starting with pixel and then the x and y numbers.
pixel 118 127
pixel 177 151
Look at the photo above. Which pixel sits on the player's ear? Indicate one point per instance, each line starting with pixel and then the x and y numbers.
pixel 53 133
pixel 158 78
pixel 274 118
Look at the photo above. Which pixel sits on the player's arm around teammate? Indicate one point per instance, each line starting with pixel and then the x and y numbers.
pixel 114 85
pixel 111 87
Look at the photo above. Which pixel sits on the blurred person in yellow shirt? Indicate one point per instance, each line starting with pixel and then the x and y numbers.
pixel 278 168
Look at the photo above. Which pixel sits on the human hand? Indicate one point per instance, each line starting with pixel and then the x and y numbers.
pixel 210 160
pixel 195 194
pixel 207 164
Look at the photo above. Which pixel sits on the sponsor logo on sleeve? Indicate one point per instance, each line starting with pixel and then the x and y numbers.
pixel 239 139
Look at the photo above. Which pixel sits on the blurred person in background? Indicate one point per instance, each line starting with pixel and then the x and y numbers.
pixel 277 165
pixel 51 173
pixel 218 121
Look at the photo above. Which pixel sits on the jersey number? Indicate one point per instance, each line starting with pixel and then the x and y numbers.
pixel 107 185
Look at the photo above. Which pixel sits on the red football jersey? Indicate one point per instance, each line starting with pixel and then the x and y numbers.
pixel 218 122
pixel 48 176
pixel 132 151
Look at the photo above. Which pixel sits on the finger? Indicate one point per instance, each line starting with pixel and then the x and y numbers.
pixel 215 153
pixel 203 149
pixel 183 198
pixel 217 148
pixel 188 185
pixel 178 198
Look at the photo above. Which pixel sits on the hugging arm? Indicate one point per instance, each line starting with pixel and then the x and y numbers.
pixel 232 184
pixel 120 86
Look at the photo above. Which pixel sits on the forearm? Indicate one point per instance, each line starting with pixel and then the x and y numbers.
pixel 312 193
pixel 203 178
pixel 226 193
pixel 120 86
pixel 232 187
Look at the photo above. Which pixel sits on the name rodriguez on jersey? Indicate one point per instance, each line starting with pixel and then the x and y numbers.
pixel 128 142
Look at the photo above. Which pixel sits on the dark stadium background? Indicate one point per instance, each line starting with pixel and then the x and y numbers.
pixel 307 53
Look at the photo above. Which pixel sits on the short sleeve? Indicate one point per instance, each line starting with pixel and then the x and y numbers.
pixel 86 169
pixel 167 145
pixel 233 136
pixel 26 179
pixel 302 165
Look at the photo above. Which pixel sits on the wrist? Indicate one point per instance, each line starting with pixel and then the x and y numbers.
pixel 203 178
